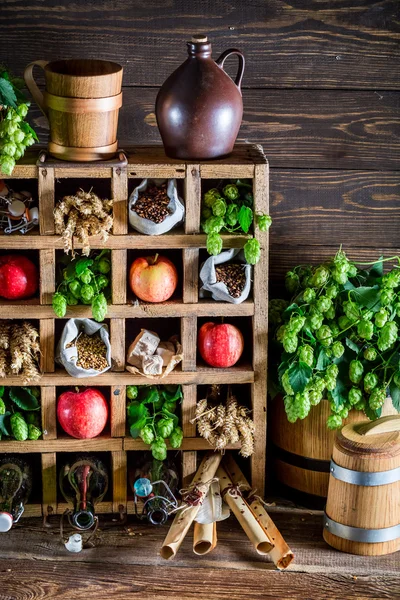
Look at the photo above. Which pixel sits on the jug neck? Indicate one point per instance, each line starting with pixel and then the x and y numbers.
pixel 199 47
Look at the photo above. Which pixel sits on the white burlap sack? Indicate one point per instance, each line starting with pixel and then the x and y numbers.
pixel 175 205
pixel 67 357
pixel 218 290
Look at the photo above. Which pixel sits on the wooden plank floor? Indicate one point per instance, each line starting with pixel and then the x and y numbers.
pixel 125 564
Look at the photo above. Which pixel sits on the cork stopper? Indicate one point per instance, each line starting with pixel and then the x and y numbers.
pixel 199 39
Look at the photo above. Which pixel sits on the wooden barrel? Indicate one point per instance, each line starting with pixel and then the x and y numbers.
pixel 81 101
pixel 302 451
pixel 363 506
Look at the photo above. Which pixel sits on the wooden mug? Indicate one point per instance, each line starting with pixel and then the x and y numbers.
pixel 81 101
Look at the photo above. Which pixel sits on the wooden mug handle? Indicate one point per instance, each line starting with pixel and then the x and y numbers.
pixel 382 425
pixel 221 59
pixel 32 85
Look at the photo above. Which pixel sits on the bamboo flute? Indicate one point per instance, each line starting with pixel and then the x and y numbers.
pixel 204 537
pixel 281 554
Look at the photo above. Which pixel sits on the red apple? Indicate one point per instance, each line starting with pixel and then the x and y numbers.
pixel 18 277
pixel 82 414
pixel 220 345
pixel 153 279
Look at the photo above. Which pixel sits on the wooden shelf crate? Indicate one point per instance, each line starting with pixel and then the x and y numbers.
pixel 247 161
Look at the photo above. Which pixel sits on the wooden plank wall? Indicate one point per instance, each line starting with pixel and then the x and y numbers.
pixel 321 94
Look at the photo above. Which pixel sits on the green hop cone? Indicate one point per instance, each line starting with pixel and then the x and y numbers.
pixel 87 293
pixel 2 407
pixel 361 405
pixel 365 330
pixel 330 313
pixel 334 422
pixel 334 328
pixel 59 304
pixel 206 212
pixel 324 336
pixel 315 321
pixel 290 342
pixel 302 399
pixel 337 349
pixel 387 336
pixel 165 427
pixel 19 427
pixel 391 279
pixel 309 295
pixel 147 434
pixel 351 310
pixel 22 110
pixel 397 309
pixel 315 397
pixel 211 196
pixel 264 222
pixel 343 412
pixel 339 277
pixel 104 266
pixel 252 251
pixel 332 291
pixel 356 371
pixel 332 371
pixel 355 396
pixel 231 215
pixel 159 449
pixel 176 438
pixel 290 408
pixel 386 296
pixel 75 288
pixel 86 276
pixel 286 383
pixel 99 307
pixel 370 382
pixel 306 355
pixel 324 304
pixel 280 334
pixel 102 282
pixel 352 270
pixel 231 192
pixel 219 208
pixel 292 282
pixel 71 300
pixel 370 354
pixel 214 244
pixel 377 398
pixel 381 318
pixel 34 432
pixel 131 392
pixel 344 322
pixel 295 324
pixel 320 277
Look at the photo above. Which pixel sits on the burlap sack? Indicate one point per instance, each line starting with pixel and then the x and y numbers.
pixel 175 205
pixel 67 357
pixel 218 290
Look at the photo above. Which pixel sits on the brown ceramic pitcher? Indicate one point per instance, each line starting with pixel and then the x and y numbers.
pixel 81 101
pixel 199 108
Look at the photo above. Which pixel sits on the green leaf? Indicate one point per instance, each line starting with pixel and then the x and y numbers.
pixel 150 394
pixel 1 391
pixel 170 415
pixel 7 93
pixel 245 218
pixel 291 309
pixel 137 426
pixel 352 345
pixel 299 375
pixel 23 398
pixel 376 271
pixel 82 264
pixel 340 393
pixel 171 393
pixel 372 414
pixel 367 297
pixel 395 395
pixel 3 428
pixel 27 129
pixel 322 361
pixel 307 331
pixel 136 411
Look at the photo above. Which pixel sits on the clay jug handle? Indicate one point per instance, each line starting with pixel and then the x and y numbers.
pixel 32 85
pixel 221 59
pixel 383 425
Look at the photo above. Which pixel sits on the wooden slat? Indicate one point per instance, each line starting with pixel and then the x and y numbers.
pixel 192 198
pixel 307 44
pixel 189 467
pixel 48 402
pixel 32 510
pixel 102 508
pixel 188 444
pixel 189 343
pixel 119 193
pixel 46 200
pixel 63 444
pixel 49 482
pixel 188 410
pixel 190 275
pixel 260 335
pixel 118 410
pixel 47 275
pixel 119 481
pixel 117 339
pixel 119 275
pixel 46 331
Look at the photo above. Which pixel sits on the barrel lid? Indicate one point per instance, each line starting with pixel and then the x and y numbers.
pixel 381 437
pixel 199 39
pixel 6 522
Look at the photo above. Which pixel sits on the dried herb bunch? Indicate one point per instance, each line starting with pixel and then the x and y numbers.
pixel 223 424
pixel 82 215
pixel 19 350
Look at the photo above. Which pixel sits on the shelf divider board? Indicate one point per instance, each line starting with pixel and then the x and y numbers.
pixel 47 335
pixel 119 193
pixel 119 481
pixel 118 410
pixel 47 270
pixel 117 339
pixel 119 278
pixel 48 403
pixel 260 334
pixel 46 200
pixel 49 482
pixel 189 466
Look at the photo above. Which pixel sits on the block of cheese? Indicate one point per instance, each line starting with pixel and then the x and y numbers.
pixel 145 343
pixel 166 350
pixel 152 365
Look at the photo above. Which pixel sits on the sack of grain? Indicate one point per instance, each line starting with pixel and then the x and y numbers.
pixel 163 216
pixel 237 276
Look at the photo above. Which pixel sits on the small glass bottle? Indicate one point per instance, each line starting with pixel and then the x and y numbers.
pixel 83 483
pixel 155 484
pixel 15 488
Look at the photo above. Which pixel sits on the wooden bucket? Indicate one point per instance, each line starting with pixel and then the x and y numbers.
pixel 363 506
pixel 81 101
pixel 302 451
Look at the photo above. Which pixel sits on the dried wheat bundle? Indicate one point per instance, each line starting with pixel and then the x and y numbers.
pixel 82 215
pixel 223 424
pixel 19 350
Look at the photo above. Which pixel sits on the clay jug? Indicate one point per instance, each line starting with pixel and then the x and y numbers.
pixel 199 108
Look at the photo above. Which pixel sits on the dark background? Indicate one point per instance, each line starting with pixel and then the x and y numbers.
pixel 321 94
